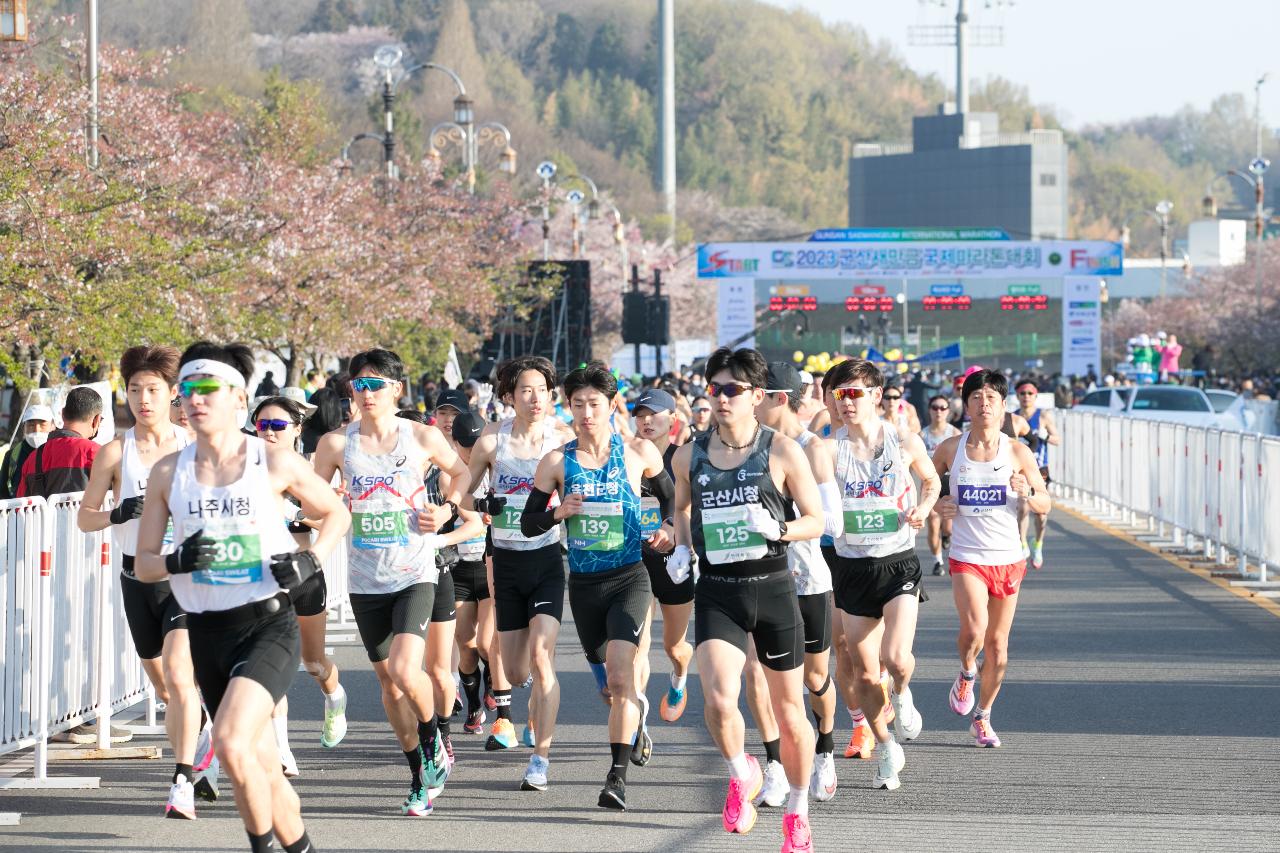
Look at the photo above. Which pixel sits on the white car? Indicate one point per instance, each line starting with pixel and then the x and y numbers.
pixel 1177 403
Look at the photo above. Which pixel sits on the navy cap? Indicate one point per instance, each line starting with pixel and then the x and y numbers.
pixel 467 428
pixel 655 400
pixel 455 398
pixel 783 378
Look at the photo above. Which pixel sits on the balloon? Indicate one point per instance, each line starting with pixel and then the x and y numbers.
pixel 797 356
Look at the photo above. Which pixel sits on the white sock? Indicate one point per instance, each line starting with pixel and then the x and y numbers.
pixel 857 716
pixel 678 681
pixel 334 699
pixel 739 768
pixel 281 726
pixel 937 556
pixel 904 697
pixel 798 800
pixel 982 714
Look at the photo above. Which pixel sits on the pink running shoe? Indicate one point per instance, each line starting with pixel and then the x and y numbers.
pixel 204 750
pixel 983 734
pixel 739 814
pixel 795 834
pixel 961 697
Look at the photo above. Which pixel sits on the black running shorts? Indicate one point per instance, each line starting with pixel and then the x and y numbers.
pixel 259 641
pixel 815 612
pixel 311 599
pixel 470 583
pixel 608 606
pixel 380 616
pixel 444 609
pixel 764 606
pixel 664 589
pixel 863 586
pixel 152 612
pixel 527 584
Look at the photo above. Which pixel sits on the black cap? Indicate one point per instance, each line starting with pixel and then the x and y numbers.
pixel 655 400
pixel 467 428
pixel 455 398
pixel 783 378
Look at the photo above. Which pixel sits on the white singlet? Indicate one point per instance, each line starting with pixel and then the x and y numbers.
pixel 931 441
pixel 243 518
pixel 133 483
pixel 804 558
pixel 513 479
pixel 876 495
pixel 985 531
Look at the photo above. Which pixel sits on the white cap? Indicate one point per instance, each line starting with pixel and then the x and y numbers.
pixel 806 377
pixel 38 412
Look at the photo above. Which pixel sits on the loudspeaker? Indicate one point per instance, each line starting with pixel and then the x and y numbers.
pixel 635 318
pixel 659 321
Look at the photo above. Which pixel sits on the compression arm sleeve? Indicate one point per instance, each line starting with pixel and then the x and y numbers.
pixel 663 488
pixel 537 518
pixel 832 510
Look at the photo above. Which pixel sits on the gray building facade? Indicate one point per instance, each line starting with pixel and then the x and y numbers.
pixel 960 171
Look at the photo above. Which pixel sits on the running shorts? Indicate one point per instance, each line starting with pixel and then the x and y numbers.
pixel 610 605
pixel 765 606
pixel 380 616
pixel 527 584
pixel 152 612
pixel 470 582
pixel 311 599
pixel 815 613
pixel 259 641
pixel 444 608
pixel 1001 581
pixel 864 585
pixel 664 589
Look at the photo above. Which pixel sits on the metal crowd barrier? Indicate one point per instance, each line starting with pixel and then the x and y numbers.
pixel 1208 490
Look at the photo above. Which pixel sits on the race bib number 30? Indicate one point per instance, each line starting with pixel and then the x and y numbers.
pixel 598 527
pixel 378 524
pixel 650 517
pixel 726 538
pixel 870 521
pixel 980 498
pixel 238 555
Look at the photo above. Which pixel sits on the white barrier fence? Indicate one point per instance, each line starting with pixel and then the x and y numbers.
pixel 1210 490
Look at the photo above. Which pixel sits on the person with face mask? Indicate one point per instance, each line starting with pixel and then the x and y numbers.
pixel 62 464
pixel 37 423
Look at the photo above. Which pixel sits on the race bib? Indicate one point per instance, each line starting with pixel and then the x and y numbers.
pixel 726 538
pixel 380 522
pixel 981 495
pixel 472 549
pixel 598 527
pixel 238 552
pixel 506 524
pixel 871 520
pixel 650 517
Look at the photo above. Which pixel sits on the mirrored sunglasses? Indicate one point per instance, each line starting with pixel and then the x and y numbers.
pixel 370 383
pixel 728 389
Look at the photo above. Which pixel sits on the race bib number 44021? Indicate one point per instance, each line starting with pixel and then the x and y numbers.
pixel 982 496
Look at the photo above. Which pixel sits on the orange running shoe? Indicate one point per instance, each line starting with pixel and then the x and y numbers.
pixel 501 736
pixel 672 705
pixel 861 743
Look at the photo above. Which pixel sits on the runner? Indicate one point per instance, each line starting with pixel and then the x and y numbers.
pixel 156 621
pixel 391 563
pixel 702 418
pixel 232 572
pixel 1042 432
pixel 278 421
pixel 938 431
pixel 898 411
pixel 597 476
pixel 732 489
pixel 528 573
pixel 876 572
pixel 992 472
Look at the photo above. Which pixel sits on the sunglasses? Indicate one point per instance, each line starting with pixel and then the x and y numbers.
pixel 203 387
pixel 701 409
pixel 272 425
pixel 893 396
pixel 728 389
pixel 850 393
pixel 370 383
pixel 939 408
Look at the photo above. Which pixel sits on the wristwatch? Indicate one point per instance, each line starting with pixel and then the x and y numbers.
pixel 453 507
pixel 782 530
pixel 299 516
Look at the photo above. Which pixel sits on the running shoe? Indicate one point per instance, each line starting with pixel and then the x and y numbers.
pixel 937 568
pixel 946 541
pixel 739 815
pixel 908 722
pixel 1026 549
pixel 475 721
pixel 535 775
pixel 822 783
pixel 501 736
pixel 672 705
pixel 642 748
pixel 773 793
pixel 1037 555
pixel 886 684
pixel 288 764
pixel 418 803
pixel 448 750
pixel 204 748
pixel 457 705
pixel 889 760
pixel 182 801
pixel 206 787
pixel 435 771
pixel 961 697
pixel 861 742
pixel 490 701
pixel 796 837
pixel 528 681
pixel 335 724
pixel 614 793
pixel 983 734
pixel 528 737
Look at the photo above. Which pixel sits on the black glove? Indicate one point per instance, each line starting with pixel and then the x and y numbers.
pixel 193 555
pixel 294 568
pixel 127 510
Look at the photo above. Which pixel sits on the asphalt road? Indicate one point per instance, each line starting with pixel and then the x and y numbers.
pixel 1141 712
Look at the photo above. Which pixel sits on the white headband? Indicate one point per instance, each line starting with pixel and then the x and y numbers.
pixel 210 367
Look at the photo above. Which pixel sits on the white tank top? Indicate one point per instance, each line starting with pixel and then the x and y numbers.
pixel 244 519
pixel 804 557
pixel 931 441
pixel 985 531
pixel 388 552
pixel 513 479
pixel 876 495
pixel 133 483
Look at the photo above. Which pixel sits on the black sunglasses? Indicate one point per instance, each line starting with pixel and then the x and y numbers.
pixel 272 425
pixel 728 389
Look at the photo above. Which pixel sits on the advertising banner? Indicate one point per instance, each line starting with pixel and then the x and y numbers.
pixel 736 313
pixel 1081 326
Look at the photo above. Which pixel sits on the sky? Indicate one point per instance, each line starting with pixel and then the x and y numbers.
pixel 1096 60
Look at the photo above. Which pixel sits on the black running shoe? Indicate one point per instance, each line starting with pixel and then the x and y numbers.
pixel 946 542
pixel 614 793
pixel 457 706
pixel 937 568
pixel 642 749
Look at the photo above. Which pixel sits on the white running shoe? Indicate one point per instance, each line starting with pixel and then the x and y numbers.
pixel 1037 556
pixel 774 791
pixel 334 728
pixel 822 784
pixel 182 801
pixel 889 760
pixel 907 721
pixel 288 764
pixel 535 775
pixel 204 748
pixel 206 787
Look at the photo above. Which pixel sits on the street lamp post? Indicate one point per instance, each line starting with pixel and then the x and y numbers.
pixel 1161 215
pixel 576 198
pixel 1257 169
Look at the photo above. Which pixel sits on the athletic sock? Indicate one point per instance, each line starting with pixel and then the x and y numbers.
pixel 414 757
pixel 678 681
pixel 483 666
pixel 183 770
pixel 968 674
pixel 444 727
pixel 773 750
pixel 427 735
pixel 503 700
pixel 621 758
pixel 858 717
pixel 824 743
pixel 798 801
pixel 334 699
pixel 739 768
pixel 302 845
pixel 471 687
pixel 982 714
pixel 937 556
pixel 264 843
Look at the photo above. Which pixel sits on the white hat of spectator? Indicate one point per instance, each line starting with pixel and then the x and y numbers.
pixel 38 412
